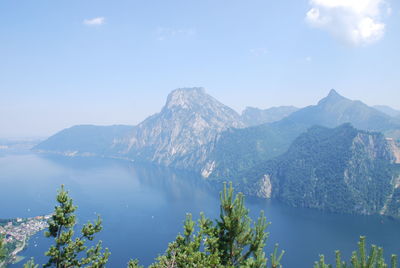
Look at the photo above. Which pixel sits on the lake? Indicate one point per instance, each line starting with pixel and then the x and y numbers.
pixel 143 208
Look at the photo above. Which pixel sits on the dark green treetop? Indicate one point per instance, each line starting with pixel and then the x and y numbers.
pixel 31 264
pixel 67 250
pixel 2 249
pixel 231 241
pixel 360 259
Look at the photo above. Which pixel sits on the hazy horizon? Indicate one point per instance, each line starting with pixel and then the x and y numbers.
pixel 39 136
pixel 92 62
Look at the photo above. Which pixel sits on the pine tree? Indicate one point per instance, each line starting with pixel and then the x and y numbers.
pixel 31 264
pixel 67 251
pixel 360 259
pixel 134 264
pixel 229 242
pixel 2 249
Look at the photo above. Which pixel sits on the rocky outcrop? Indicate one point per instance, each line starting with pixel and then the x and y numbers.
pixel 264 187
pixel 395 148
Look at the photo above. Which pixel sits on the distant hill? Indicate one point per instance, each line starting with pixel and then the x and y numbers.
pixel 253 116
pixel 340 170
pixel 335 109
pixel 86 140
pixel 387 110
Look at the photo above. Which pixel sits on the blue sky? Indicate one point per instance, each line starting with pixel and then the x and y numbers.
pixel 114 62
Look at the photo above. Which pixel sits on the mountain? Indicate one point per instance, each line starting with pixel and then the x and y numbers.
pixel 253 116
pixel 387 110
pixel 193 131
pixel 340 170
pixel 241 149
pixel 335 110
pixel 298 159
pixel 188 122
pixel 86 140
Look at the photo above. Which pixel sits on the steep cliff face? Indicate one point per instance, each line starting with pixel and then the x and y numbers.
pixel 182 133
pixel 395 148
pixel 339 170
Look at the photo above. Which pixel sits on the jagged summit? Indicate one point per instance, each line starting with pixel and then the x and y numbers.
pixel 333 93
pixel 333 96
pixel 188 90
pixel 334 110
pixel 185 97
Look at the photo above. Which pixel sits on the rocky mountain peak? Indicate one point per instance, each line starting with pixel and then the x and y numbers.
pixel 332 97
pixel 333 93
pixel 186 97
pixel 189 120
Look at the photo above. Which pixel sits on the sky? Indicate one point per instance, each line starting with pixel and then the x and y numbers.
pixel 104 62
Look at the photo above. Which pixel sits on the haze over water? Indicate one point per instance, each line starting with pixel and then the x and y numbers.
pixel 143 208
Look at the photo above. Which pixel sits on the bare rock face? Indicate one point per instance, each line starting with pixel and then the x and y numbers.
pixel 265 187
pixel 395 150
pixel 181 135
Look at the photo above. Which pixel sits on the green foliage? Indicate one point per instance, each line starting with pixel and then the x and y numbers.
pixel 239 150
pixel 336 170
pixel 229 242
pixel 360 259
pixel 134 264
pixel 67 251
pixel 31 264
pixel 2 249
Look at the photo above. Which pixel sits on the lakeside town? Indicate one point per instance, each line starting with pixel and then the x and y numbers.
pixel 16 233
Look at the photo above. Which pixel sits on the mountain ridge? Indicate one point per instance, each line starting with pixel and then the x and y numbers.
pixel 260 143
pixel 387 110
pixel 252 116
pixel 335 109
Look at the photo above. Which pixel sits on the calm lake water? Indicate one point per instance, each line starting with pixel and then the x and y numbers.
pixel 143 208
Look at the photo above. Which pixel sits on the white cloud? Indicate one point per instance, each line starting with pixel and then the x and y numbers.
pixel 95 21
pixel 167 33
pixel 261 51
pixel 358 22
pixel 308 59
